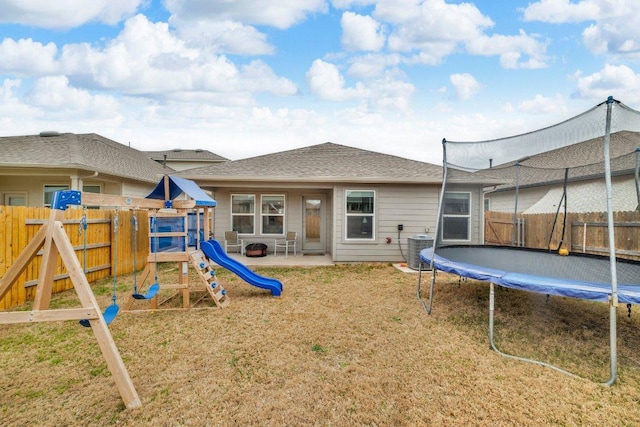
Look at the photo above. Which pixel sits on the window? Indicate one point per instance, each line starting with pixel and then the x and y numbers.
pixel 49 190
pixel 456 216
pixel 360 215
pixel 243 213
pixel 272 214
pixel 91 189
pixel 487 204
pixel 15 199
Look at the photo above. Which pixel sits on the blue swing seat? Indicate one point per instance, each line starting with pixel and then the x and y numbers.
pixel 109 314
pixel 151 292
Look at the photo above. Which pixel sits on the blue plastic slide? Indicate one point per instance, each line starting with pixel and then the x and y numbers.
pixel 214 251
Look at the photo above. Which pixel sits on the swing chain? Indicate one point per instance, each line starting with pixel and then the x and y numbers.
pixel 82 226
pixel 115 255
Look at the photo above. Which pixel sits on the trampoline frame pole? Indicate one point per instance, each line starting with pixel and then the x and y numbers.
pixel 445 172
pixel 613 299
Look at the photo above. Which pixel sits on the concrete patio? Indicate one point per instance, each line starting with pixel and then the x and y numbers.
pixel 298 260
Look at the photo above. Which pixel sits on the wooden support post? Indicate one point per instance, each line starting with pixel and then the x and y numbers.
pixel 99 326
pixel 49 261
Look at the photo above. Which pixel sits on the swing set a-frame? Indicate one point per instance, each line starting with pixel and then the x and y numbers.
pixel 56 245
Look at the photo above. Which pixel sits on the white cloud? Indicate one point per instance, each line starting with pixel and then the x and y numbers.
pixel 433 29
pixel 511 50
pixel 11 107
pixel 372 65
pixel 224 37
pixel 615 27
pixel 280 14
pixel 465 84
pixel 66 14
pixel 389 92
pixel 148 59
pixel 54 95
pixel 618 81
pixel 326 82
pixel 27 58
pixel 544 105
pixel 422 25
pixel 562 11
pixel 361 33
pixel 224 26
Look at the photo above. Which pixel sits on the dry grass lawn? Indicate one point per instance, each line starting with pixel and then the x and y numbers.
pixel 348 345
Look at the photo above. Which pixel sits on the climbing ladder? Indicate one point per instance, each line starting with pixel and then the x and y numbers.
pixel 208 275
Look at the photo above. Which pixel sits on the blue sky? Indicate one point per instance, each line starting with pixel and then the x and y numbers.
pixel 248 77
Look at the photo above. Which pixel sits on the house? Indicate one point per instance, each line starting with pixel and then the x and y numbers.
pixel 354 204
pixel 541 178
pixel 33 167
pixel 181 159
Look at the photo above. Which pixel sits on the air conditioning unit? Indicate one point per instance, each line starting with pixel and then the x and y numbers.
pixel 417 243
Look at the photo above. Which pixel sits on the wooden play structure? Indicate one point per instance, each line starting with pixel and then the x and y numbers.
pixel 56 246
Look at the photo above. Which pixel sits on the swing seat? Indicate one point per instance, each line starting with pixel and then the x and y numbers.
pixel 109 314
pixel 151 292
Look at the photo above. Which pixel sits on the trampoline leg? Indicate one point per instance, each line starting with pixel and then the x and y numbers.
pixel 613 344
pixel 491 312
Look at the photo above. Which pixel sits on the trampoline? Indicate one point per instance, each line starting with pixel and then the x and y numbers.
pixel 579 276
pixel 562 158
pixel 575 276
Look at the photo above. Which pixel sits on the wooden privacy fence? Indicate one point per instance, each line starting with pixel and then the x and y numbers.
pixel 96 249
pixel 584 232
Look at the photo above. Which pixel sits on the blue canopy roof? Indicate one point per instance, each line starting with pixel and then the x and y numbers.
pixel 177 186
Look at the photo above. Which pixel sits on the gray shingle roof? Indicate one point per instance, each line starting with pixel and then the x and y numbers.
pixel 326 162
pixel 90 152
pixel 184 154
pixel 585 160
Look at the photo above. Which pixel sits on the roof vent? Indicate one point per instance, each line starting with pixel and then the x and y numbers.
pixel 49 133
pixel 177 150
pixel 199 150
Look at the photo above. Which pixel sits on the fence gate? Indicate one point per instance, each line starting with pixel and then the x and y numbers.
pixel 499 229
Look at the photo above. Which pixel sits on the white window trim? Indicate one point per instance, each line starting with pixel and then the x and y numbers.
pixel 468 216
pixel 283 215
pixel 252 214
pixel 373 215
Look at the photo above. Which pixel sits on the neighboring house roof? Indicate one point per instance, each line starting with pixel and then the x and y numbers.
pixel 585 160
pixel 326 162
pixel 89 152
pixel 182 154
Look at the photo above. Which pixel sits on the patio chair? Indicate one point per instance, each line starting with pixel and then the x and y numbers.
pixel 232 241
pixel 288 242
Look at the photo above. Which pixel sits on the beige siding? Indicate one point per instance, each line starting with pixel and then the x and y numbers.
pixel 504 201
pixel 33 185
pixel 413 206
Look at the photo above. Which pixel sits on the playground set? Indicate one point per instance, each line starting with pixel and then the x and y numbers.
pixel 171 239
